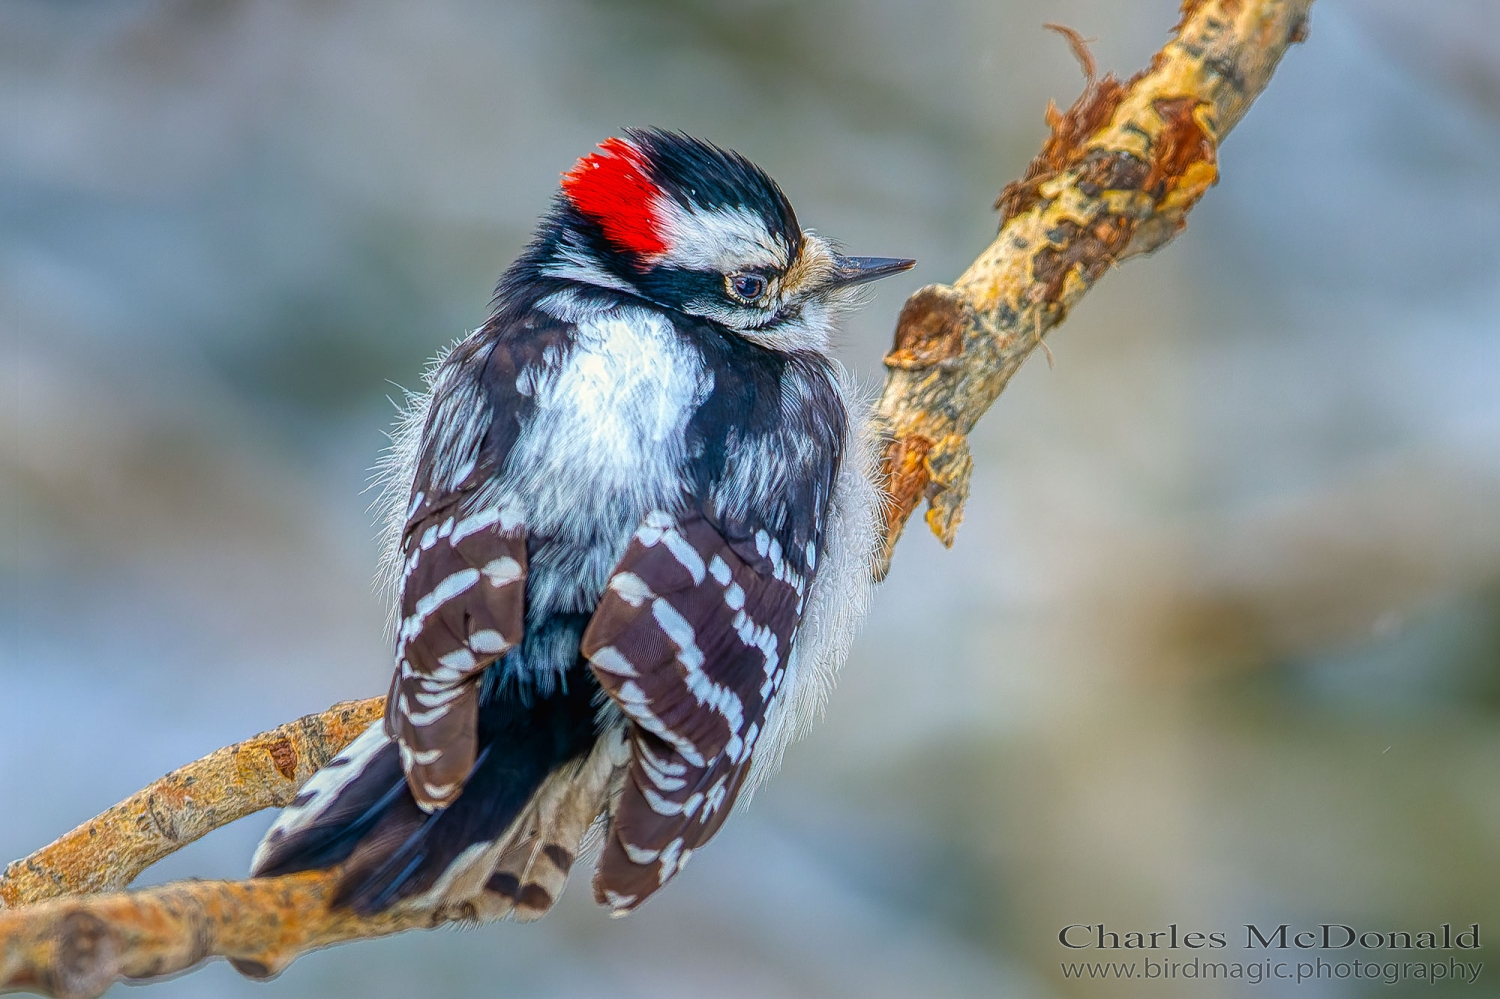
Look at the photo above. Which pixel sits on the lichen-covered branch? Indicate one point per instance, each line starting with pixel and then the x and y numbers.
pixel 79 947
pixel 1118 175
pixel 108 851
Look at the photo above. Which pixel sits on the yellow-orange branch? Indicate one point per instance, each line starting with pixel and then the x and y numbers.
pixel 76 948
pixel 1117 176
pixel 108 851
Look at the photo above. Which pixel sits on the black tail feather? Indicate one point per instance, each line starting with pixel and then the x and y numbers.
pixel 407 850
pixel 391 849
pixel 357 808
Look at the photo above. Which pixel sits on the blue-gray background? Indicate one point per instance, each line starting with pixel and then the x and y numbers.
pixel 1219 642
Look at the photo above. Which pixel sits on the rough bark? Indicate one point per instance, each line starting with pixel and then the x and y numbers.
pixel 1117 176
pixel 266 771
pixel 78 948
pixel 108 851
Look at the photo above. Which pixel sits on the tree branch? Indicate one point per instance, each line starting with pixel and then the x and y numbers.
pixel 108 851
pixel 1122 168
pixel 1117 177
pixel 78 948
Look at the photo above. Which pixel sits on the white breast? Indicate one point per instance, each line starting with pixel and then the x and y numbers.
pixel 606 442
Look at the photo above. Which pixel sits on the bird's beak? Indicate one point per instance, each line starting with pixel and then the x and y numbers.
pixel 857 270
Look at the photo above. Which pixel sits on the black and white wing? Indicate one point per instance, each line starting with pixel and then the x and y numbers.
pixel 462 606
pixel 690 640
pixel 460 562
pixel 463 554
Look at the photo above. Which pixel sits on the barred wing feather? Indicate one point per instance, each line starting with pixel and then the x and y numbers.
pixel 690 640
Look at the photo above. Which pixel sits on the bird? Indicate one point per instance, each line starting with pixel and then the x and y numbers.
pixel 629 534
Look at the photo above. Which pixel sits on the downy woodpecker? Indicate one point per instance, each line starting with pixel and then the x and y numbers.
pixel 630 533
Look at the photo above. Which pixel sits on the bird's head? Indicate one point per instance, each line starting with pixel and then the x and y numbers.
pixel 701 230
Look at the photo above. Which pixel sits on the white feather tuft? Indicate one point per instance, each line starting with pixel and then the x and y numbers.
pixel 838 598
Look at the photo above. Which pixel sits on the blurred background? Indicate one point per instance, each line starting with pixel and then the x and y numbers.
pixel 1220 639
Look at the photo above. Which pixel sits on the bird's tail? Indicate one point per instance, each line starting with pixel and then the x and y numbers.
pixel 505 847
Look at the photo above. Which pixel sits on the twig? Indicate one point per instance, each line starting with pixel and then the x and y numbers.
pixel 79 947
pixel 1117 176
pixel 108 851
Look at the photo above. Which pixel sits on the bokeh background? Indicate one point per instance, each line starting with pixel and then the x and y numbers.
pixel 1219 641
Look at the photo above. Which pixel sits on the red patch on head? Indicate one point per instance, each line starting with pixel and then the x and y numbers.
pixel 612 188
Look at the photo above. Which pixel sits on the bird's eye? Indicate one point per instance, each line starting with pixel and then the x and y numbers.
pixel 746 287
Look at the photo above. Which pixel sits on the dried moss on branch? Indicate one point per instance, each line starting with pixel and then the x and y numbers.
pixel 1117 176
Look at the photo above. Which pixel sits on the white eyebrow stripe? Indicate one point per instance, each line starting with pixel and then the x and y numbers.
pixel 718 239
